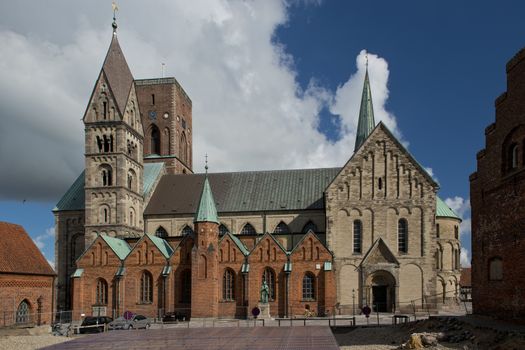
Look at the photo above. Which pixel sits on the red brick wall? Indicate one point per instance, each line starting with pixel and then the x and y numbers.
pixel 204 283
pixel 206 292
pixel 498 199
pixel 170 98
pixel 15 288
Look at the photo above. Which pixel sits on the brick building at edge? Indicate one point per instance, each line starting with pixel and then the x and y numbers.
pixel 497 192
pixel 130 234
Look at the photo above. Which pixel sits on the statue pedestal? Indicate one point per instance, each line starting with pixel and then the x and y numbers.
pixel 265 311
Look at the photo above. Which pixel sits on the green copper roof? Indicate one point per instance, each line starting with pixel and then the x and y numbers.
pixel 119 246
pixel 74 198
pixel 163 246
pixel 206 211
pixel 151 174
pixel 366 121
pixel 443 210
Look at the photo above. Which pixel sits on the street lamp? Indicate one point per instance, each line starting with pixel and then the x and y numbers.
pixel 353 302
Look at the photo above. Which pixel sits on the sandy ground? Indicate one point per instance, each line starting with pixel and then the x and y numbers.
pixel 29 342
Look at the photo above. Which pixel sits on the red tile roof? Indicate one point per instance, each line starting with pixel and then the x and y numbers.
pixel 19 254
pixel 464 280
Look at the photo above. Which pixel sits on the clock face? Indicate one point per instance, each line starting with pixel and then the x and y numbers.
pixel 152 115
pixel 166 115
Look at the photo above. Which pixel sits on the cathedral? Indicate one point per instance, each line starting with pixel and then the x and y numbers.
pixel 139 231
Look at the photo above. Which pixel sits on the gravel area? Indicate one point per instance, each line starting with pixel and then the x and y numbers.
pixel 384 338
pixel 30 342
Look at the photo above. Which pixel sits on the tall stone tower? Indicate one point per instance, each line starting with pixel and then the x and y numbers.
pixel 167 122
pixel 204 280
pixel 114 152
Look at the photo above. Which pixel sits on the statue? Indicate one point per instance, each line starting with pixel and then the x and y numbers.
pixel 265 292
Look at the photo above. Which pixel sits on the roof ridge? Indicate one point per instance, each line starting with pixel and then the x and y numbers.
pixel 257 171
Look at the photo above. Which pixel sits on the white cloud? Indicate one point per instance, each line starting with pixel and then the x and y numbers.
pixel 249 111
pixel 462 207
pixel 45 238
pixel 465 257
pixel 51 262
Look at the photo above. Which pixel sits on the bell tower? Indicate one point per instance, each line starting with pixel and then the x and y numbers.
pixel 205 280
pixel 113 151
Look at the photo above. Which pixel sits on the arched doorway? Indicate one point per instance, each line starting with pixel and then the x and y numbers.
pixel 381 291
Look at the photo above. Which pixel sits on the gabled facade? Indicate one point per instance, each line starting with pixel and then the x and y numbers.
pixel 201 245
pixel 497 192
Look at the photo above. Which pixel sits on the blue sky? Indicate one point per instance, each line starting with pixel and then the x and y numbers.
pixel 442 64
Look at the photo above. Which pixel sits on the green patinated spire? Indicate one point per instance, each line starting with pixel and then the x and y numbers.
pixel 206 212
pixel 366 121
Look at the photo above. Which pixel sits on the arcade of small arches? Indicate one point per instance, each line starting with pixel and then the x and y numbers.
pixel 247 229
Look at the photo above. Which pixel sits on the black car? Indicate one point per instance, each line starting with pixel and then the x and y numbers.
pixel 94 324
pixel 175 317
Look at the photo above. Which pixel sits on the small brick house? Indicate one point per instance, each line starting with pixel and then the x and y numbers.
pixel 26 280
pixel 497 192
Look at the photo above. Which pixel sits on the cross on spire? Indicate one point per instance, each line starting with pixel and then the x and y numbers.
pixel 114 6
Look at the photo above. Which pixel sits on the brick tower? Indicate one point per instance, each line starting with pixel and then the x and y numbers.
pixel 113 143
pixel 205 281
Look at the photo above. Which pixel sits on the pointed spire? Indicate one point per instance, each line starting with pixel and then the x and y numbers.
pixel 206 212
pixel 118 74
pixel 366 121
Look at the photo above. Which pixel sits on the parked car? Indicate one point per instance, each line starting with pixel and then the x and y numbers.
pixel 94 324
pixel 173 317
pixel 136 322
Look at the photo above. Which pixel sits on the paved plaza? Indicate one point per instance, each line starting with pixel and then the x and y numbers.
pixel 288 338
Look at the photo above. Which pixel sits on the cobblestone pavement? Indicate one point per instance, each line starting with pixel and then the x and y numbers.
pixel 208 338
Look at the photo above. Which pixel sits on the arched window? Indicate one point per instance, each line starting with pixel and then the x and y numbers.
pixel 228 283
pixel 456 232
pixel 106 175
pixel 281 228
pixel 101 294
pixel 308 286
pixel 185 295
pixel 104 215
pixel 161 232
pixel 155 140
pixel 358 234
pixel 187 231
pixel 495 269
pixel 22 312
pixel 248 230
pixel 402 236
pixel 437 230
pixel 167 141
pixel 310 226
pixel 132 217
pixel 146 288
pixel 513 156
pixel 183 148
pixel 132 180
pixel 269 277
pixel 223 230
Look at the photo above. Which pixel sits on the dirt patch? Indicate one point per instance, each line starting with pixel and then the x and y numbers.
pixel 452 333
